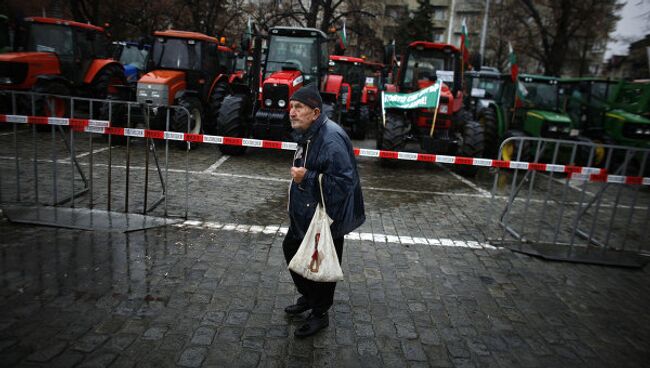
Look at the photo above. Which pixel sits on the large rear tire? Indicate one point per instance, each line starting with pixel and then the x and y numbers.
pixel 50 105
pixel 179 120
pixel 232 122
pixel 219 93
pixel 473 146
pixel 360 124
pixel 488 119
pixel 392 136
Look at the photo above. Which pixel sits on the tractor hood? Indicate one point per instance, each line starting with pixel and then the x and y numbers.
pixel 627 117
pixel 549 116
pixel 166 77
pixel 291 77
pixel 18 70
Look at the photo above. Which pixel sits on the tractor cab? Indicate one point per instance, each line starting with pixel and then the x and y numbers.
pixel 482 88
pixel 296 49
pixel 535 103
pixel 134 57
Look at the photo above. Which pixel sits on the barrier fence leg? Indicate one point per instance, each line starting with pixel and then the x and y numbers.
pixel 90 158
pixel 72 156
pixel 187 168
pixel 166 155
pixel 152 146
pixel 548 190
pixel 644 160
pixel 598 199
pixel 16 156
pixel 35 160
pixel 55 189
pixel 564 192
pixel 628 157
pixel 128 159
pixel 515 188
pixel 146 170
pixel 110 157
pixel 576 220
pixel 538 150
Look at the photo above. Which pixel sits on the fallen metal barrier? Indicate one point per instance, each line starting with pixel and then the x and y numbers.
pixel 606 225
pixel 80 204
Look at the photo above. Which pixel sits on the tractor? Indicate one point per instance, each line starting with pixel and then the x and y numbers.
pixel 531 106
pixel 190 70
pixel 260 108
pixel 484 88
pixel 58 57
pixel 453 131
pixel 351 70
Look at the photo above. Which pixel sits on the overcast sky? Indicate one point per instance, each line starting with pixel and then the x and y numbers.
pixel 633 26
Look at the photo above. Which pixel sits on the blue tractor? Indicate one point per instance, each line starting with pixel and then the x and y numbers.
pixel 134 56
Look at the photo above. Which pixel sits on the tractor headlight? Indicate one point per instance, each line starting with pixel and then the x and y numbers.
pixel 282 103
pixel 153 94
pixel 268 102
pixel 566 130
pixel 639 131
pixel 552 128
pixel 647 131
pixel 6 80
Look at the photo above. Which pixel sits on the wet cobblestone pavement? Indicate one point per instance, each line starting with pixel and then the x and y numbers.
pixel 424 286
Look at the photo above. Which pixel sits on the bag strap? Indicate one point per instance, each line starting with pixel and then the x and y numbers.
pixel 320 184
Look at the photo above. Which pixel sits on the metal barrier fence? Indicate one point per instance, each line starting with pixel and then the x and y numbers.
pixel 538 214
pixel 49 182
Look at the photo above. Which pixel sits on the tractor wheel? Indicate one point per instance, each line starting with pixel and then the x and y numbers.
pixel 360 124
pixel 599 156
pixel 49 105
pixel 510 150
pixel 473 146
pixel 220 92
pixel 102 86
pixel 179 120
pixel 488 120
pixel 393 135
pixel 232 122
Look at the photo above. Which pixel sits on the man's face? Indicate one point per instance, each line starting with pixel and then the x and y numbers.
pixel 301 115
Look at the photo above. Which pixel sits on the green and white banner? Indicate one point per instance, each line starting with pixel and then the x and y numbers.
pixel 424 98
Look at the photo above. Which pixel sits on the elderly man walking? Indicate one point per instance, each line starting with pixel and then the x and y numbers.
pixel 323 148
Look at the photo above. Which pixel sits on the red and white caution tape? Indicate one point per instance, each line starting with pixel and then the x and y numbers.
pixel 591 174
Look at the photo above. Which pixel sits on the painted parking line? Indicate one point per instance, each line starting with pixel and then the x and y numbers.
pixel 360 236
pixel 215 165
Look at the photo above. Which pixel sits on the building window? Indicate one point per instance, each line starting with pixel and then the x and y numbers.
pixel 396 11
pixel 440 14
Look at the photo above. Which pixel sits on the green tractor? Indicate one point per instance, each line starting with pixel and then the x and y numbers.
pixel 612 112
pixel 532 107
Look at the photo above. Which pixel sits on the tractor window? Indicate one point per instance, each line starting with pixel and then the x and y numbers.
pixel 352 72
pixel 298 52
pixel 50 38
pixel 84 44
pixel 540 95
pixel 131 54
pixel 427 64
pixel 492 87
pixel 177 53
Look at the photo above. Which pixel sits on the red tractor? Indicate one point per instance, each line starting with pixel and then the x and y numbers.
pixel 454 132
pixel 59 57
pixel 294 57
pixel 352 71
pixel 191 70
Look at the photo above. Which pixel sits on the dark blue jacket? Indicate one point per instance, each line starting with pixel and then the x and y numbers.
pixel 328 151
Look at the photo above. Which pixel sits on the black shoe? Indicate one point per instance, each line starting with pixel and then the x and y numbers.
pixel 297 308
pixel 314 324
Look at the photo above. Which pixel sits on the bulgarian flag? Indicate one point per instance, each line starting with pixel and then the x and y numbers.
pixel 512 60
pixel 464 41
pixel 343 37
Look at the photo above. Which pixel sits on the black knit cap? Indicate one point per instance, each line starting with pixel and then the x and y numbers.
pixel 309 95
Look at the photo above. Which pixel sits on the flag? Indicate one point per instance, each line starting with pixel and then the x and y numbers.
pixel 512 60
pixel 464 41
pixel 343 37
pixel 428 97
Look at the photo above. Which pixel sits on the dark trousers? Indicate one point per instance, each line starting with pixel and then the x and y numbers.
pixel 318 295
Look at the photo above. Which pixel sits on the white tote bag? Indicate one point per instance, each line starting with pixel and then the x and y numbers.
pixel 316 258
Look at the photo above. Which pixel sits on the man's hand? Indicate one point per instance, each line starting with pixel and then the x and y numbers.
pixel 298 173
